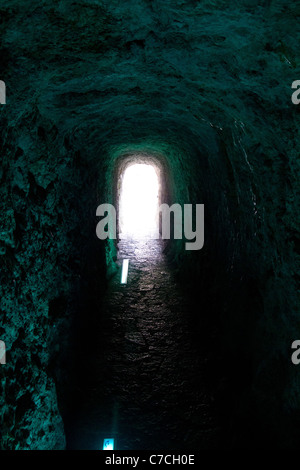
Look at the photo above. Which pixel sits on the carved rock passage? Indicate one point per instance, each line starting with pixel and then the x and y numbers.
pixel 205 89
pixel 147 388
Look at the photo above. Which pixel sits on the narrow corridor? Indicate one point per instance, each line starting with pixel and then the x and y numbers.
pixel 143 379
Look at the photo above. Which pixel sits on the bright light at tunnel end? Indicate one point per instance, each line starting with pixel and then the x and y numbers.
pixel 139 195
pixel 139 213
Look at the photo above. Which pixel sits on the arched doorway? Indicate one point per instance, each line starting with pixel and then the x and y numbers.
pixel 139 202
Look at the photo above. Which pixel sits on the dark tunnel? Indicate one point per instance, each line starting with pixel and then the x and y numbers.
pixel 193 352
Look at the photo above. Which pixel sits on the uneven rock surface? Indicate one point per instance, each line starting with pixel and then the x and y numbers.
pixel 142 371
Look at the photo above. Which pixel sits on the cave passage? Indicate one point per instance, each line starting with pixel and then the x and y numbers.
pixel 142 371
pixel 142 380
pixel 194 350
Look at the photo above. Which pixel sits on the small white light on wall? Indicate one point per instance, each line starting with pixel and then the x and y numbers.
pixel 2 352
pixel 108 444
pixel 2 92
pixel 124 271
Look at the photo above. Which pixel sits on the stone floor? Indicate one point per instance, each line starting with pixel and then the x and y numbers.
pixel 143 382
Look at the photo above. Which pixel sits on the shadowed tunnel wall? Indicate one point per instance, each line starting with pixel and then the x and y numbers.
pixel 205 85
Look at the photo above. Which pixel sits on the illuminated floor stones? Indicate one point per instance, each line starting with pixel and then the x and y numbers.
pixel 148 362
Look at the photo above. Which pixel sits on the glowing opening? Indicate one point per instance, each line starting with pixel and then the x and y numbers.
pixel 138 205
